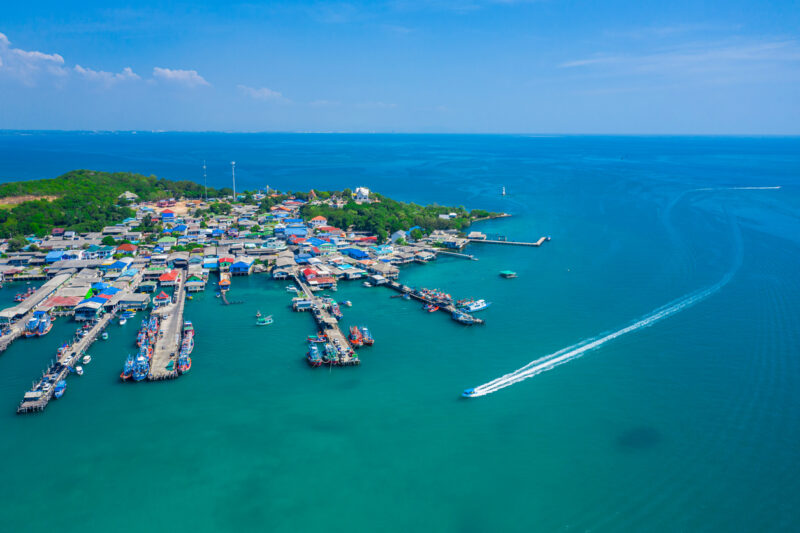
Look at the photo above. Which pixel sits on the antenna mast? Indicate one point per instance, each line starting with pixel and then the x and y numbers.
pixel 233 176
pixel 205 184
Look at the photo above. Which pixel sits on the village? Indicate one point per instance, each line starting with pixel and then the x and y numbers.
pixel 172 247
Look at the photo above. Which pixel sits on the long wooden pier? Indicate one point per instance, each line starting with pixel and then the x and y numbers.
pixel 449 308
pixel 169 337
pixel 512 243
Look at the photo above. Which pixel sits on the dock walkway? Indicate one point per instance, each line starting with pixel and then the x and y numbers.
pixel 511 243
pixel 329 325
pixel 169 337
pixel 449 308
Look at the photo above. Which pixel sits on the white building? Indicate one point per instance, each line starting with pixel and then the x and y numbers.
pixel 362 194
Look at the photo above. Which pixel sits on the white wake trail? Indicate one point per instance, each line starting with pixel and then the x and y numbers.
pixel 575 351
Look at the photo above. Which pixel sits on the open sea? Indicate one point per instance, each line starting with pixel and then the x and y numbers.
pixel 686 423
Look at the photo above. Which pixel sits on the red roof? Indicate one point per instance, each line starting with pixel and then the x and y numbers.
pixel 167 212
pixel 127 247
pixel 162 296
pixel 323 279
pixel 172 275
pixel 319 219
pixel 62 301
pixel 310 273
pixel 329 229
pixel 225 260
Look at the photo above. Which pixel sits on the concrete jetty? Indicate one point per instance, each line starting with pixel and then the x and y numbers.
pixel 329 325
pixel 511 243
pixel 168 343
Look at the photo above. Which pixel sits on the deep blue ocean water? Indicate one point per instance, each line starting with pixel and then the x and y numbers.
pixel 690 424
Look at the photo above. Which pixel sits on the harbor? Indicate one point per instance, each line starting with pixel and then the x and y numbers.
pixel 164 364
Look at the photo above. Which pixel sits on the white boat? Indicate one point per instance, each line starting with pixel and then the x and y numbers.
pixel 79 370
pixel 291 288
pixel 87 359
pixel 477 305
pixel 122 321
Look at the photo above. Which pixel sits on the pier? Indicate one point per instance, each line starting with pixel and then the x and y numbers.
pixel 328 324
pixel 169 336
pixel 447 307
pixel 36 399
pixel 512 243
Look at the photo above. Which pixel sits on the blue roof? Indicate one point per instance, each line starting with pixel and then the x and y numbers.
pixel 179 227
pixel 293 221
pixel 167 215
pixel 110 290
pixel 99 286
pixel 118 264
pixel 55 255
pixel 217 232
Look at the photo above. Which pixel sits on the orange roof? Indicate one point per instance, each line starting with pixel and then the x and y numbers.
pixel 127 247
pixel 172 275
pixel 319 219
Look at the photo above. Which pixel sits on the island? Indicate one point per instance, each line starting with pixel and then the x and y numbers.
pixel 106 246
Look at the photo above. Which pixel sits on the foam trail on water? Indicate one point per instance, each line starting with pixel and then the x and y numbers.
pixel 575 351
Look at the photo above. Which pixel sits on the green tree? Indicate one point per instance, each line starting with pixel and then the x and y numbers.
pixel 16 244
pixel 108 240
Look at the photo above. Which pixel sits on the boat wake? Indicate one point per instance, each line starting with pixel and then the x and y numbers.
pixel 575 351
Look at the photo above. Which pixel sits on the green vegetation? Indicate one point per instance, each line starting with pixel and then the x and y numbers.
pixel 385 216
pixel 83 200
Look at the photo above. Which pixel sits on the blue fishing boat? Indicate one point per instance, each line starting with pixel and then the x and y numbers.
pixel 463 318
pixel 59 389
pixel 468 393
pixel 336 311
pixel 313 356
pixel 330 354
pixel 45 324
pixel 141 368
pixel 32 325
pixel 127 370
pixel 366 337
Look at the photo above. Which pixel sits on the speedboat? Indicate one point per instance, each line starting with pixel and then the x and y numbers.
pixel 104 336
pixel 87 359
pixel 79 370
pixel 61 386
pixel 468 393
pixel 122 320
pixel 258 314
pixel 291 288
pixel 264 321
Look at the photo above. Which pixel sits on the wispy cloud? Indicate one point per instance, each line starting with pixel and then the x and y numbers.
pixel 376 105
pixel 324 103
pixel 106 78
pixel 695 57
pixel 187 78
pixel 27 66
pixel 262 93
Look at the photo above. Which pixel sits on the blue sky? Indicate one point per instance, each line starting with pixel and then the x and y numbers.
pixel 550 66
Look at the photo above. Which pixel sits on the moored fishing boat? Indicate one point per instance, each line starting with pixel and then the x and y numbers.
pixel 367 337
pixel 473 306
pixel 320 337
pixel 355 337
pixel 141 368
pixel 431 308
pixel 87 359
pixel 264 321
pixel 59 389
pixel 32 325
pixel 127 370
pixel 184 363
pixel 313 357
pixel 463 318
pixel 330 354
pixel 45 324
pixel 336 311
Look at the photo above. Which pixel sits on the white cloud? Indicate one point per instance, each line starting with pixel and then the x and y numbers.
pixel 27 66
pixel 189 78
pixel 324 103
pixel 107 78
pixel 262 93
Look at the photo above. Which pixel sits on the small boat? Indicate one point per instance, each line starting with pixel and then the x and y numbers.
pixel 291 288
pixel 463 318
pixel 508 274
pixel 336 311
pixel 321 337
pixel 258 314
pixel 431 308
pixel 366 284
pixel 87 359
pixel 104 336
pixel 79 370
pixel 141 368
pixel 218 295
pixel 189 297
pixel 264 321
pixel 122 320
pixel 61 386
pixel 406 296
pixel 468 393
pixel 127 370
pixel 346 303
pixel 367 337
pixel 356 338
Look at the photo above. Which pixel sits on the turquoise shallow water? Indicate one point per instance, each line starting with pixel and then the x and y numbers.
pixel 690 424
